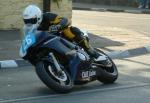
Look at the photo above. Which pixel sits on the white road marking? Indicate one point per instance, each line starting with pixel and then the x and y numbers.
pixel 8 63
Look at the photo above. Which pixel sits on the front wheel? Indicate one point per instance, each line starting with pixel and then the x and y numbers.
pixel 61 83
pixel 108 74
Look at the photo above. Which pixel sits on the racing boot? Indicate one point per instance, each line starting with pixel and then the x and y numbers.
pixel 98 58
pixel 84 43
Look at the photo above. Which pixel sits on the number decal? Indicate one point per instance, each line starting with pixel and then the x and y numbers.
pixel 28 41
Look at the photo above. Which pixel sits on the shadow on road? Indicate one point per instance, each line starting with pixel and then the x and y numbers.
pixel 101 42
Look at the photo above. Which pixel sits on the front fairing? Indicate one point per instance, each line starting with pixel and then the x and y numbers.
pixel 31 38
pixel 27 42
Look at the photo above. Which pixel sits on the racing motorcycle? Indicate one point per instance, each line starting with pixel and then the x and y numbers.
pixel 61 64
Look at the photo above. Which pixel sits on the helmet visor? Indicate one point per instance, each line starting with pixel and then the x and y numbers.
pixel 30 21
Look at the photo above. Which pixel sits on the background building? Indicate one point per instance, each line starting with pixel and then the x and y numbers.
pixel 11 11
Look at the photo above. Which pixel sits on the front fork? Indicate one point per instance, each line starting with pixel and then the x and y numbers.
pixel 58 68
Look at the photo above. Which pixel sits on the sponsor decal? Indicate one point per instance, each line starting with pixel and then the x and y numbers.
pixel 87 74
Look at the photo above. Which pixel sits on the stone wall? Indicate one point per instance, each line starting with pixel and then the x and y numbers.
pixel 11 11
pixel 64 8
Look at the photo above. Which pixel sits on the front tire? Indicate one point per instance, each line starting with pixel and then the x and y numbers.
pixel 48 78
pixel 108 74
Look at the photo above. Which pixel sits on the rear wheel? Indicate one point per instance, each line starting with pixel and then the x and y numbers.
pixel 59 82
pixel 108 74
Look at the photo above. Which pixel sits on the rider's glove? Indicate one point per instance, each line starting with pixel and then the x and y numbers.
pixel 55 28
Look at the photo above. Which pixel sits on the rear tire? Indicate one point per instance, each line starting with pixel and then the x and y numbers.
pixel 48 78
pixel 108 74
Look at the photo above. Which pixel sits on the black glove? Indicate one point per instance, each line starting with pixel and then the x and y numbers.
pixel 55 28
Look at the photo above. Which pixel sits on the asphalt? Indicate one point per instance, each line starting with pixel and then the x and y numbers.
pixel 10 41
pixel 22 85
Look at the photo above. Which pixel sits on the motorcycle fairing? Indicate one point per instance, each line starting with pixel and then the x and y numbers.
pixel 81 71
pixel 58 44
pixel 73 66
pixel 78 62
pixel 27 42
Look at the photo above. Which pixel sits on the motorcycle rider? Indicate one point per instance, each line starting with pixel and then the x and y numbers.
pixel 51 22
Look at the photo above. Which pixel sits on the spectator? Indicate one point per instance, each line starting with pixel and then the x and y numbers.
pixel 144 3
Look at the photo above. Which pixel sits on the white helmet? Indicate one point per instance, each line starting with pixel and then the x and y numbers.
pixel 32 15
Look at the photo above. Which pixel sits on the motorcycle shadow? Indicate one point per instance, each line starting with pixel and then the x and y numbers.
pixel 80 88
pixel 94 86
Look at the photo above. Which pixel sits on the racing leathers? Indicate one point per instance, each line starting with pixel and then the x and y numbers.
pixel 52 22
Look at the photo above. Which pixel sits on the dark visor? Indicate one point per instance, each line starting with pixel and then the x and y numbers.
pixel 30 21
